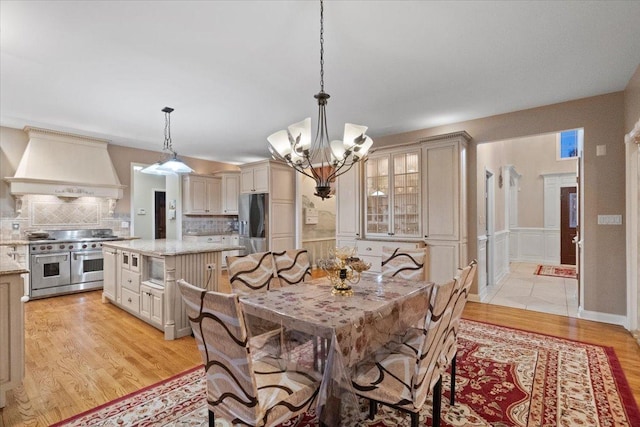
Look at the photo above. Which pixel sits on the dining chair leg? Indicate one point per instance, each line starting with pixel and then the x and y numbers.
pixel 212 419
pixel 373 409
pixel 415 419
pixel 316 360
pixel 437 402
pixel 452 397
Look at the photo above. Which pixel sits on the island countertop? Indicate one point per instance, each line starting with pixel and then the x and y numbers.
pixel 8 266
pixel 169 247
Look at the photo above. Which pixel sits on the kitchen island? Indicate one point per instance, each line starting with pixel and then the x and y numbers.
pixel 140 277
pixel 11 325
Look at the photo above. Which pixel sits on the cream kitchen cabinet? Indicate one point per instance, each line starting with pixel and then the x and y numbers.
pixel 11 326
pixel 414 193
pixel 348 207
pixel 230 192
pixel 152 303
pixel 254 178
pixel 110 274
pixel 393 194
pixel 444 205
pixel 278 180
pixel 202 195
pixel 371 250
pixel 151 293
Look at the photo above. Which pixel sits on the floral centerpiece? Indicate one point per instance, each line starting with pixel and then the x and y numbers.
pixel 343 269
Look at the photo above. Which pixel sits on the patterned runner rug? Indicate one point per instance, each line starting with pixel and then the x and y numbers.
pixel 506 377
pixel 568 272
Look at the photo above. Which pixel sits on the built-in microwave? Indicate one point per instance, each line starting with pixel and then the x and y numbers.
pixel 155 270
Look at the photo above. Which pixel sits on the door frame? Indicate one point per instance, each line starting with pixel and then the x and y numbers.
pixel 632 160
pixel 490 226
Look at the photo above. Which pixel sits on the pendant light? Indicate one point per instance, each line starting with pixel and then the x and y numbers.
pixel 321 160
pixel 171 164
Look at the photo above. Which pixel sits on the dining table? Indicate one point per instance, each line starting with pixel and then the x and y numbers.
pixel 380 310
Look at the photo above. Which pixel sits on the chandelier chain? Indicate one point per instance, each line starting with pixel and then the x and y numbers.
pixel 321 46
pixel 167 131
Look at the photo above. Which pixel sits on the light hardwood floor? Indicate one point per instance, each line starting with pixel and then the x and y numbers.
pixel 82 353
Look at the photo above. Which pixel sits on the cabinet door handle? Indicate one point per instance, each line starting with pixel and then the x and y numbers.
pixel 129 280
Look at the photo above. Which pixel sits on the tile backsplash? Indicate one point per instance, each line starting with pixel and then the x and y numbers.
pixel 51 212
pixel 209 224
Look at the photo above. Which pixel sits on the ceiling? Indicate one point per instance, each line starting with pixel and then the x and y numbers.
pixel 237 71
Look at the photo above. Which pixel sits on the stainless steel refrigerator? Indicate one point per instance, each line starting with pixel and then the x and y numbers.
pixel 253 215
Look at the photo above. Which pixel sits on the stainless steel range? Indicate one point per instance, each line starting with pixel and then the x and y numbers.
pixel 66 261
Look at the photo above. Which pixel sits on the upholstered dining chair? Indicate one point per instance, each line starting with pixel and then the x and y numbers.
pixel 252 273
pixel 461 295
pixel 402 376
pixel 405 263
pixel 240 388
pixel 292 266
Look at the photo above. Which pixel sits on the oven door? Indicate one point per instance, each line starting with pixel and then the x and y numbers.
pixel 50 270
pixel 87 266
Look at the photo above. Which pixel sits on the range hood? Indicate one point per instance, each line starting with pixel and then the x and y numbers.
pixel 65 165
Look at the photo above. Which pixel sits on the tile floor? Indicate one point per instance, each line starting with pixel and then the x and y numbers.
pixel 522 289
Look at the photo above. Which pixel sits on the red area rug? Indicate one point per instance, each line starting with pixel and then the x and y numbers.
pixel 568 272
pixel 506 377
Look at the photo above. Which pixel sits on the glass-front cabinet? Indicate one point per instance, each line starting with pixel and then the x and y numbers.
pixel 393 194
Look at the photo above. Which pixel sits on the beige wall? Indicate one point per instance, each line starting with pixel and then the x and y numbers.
pixel 531 156
pixel 122 157
pixel 602 118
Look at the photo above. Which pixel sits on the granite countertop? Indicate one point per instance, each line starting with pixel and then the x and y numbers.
pixel 17 242
pixel 164 247
pixel 8 266
pixel 210 233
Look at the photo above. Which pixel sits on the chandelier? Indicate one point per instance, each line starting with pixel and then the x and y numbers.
pixel 170 164
pixel 321 160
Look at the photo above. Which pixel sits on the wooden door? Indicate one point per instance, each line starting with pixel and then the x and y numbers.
pixel 160 215
pixel 568 224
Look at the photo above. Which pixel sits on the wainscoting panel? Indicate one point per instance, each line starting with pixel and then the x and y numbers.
pixel 318 248
pixel 482 270
pixel 536 245
pixel 501 255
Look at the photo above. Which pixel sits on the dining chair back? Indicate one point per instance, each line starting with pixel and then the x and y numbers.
pixel 461 296
pixel 241 389
pixel 403 376
pixel 292 266
pixel 252 273
pixel 405 263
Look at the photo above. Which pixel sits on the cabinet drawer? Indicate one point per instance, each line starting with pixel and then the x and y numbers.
pixel 131 280
pixel 131 300
pixel 375 261
pixel 374 247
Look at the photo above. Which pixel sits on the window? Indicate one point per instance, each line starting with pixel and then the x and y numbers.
pixel 568 144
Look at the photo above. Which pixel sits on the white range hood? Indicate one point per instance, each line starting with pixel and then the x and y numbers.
pixel 65 165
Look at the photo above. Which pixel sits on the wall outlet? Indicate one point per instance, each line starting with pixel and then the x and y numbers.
pixel 15 226
pixel 124 224
pixel 211 267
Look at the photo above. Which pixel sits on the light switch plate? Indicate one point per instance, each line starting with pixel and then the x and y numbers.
pixel 601 150
pixel 610 219
pixel 124 224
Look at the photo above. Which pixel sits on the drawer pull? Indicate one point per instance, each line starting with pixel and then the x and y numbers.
pixel 129 299
pixel 368 249
pixel 129 280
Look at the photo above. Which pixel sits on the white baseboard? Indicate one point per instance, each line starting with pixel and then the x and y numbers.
pixel 614 319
